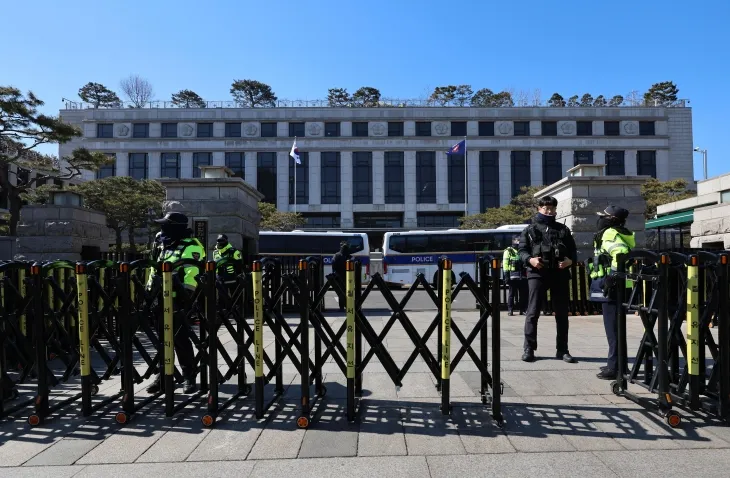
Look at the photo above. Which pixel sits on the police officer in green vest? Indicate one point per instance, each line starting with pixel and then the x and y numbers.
pixel 224 250
pixel 611 240
pixel 176 245
pixel 513 275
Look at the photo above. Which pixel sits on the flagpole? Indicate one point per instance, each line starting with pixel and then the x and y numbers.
pixel 466 184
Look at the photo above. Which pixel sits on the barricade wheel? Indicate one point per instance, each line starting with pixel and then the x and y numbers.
pixel 34 420
pixel 94 389
pixel 207 420
pixel 121 418
pixel 615 388
pixel 673 419
pixel 303 422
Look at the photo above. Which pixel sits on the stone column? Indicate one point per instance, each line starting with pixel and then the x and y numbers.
pixel 599 156
pixel 186 165
pixel 662 165
pixel 409 166
pixel 153 165
pixel 282 180
pixel 251 167
pixel 473 177
pixel 315 178
pixel 347 218
pixel 219 158
pixel 505 177
pixel 122 164
pixel 536 168
pixel 346 128
pixel 630 163
pixel 442 178
pixel 567 157
pixel 378 177
pixel 219 129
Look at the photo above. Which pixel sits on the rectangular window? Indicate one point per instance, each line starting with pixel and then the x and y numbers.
pixel 170 165
pixel 552 167
pixel 141 130
pixel 205 130
pixel 330 171
pixel 395 128
pixel 611 128
pixel 488 179
pixel 168 130
pixel 439 220
pixel 201 159
pixel 138 165
pixel 646 128
pixel 236 162
pixel 108 170
pixel 394 178
pixel 332 130
pixel 426 177
pixel 522 128
pixel 322 221
pixel 362 169
pixel 233 130
pixel 615 165
pixel 266 176
pixel 296 129
pixel 646 163
pixel 299 174
pixel 458 128
pixel 268 130
pixel 457 181
pixel 423 128
pixel 520 171
pixel 105 130
pixel 549 128
pixel 360 128
pixel 486 128
pixel 584 128
pixel 582 157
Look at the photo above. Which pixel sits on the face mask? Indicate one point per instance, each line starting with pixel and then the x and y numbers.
pixel 172 233
pixel 545 218
pixel 606 222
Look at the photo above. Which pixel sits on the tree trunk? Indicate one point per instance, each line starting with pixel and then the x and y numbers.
pixel 132 245
pixel 118 234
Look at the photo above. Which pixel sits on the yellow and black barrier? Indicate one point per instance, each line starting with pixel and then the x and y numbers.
pixel 693 329
pixel 446 266
pixel 168 338
pixel 258 338
pixel 350 321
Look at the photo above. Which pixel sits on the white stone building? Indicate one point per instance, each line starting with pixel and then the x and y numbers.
pixel 387 167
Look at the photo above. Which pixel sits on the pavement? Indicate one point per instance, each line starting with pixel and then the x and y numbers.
pixel 560 420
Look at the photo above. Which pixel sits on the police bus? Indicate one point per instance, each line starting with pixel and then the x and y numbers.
pixel 406 254
pixel 300 244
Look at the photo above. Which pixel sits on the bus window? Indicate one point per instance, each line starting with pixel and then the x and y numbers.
pixel 417 244
pixel 397 243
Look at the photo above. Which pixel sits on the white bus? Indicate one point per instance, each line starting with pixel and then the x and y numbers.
pixel 406 254
pixel 300 244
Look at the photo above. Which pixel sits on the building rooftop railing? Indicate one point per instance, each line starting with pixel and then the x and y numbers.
pixel 383 103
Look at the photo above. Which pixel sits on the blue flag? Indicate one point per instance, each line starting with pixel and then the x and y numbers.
pixel 458 148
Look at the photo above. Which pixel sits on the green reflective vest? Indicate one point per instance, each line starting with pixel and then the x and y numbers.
pixel 605 255
pixel 228 252
pixel 510 257
pixel 189 248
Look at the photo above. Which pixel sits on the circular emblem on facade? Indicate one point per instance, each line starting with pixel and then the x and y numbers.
pixel 567 128
pixel 187 130
pixel 250 129
pixel 505 128
pixel 122 130
pixel 378 129
pixel 314 129
pixel 630 128
pixel 441 128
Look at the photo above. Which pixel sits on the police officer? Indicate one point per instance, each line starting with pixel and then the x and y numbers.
pixel 224 250
pixel 547 250
pixel 513 275
pixel 176 245
pixel 611 240
pixel 339 267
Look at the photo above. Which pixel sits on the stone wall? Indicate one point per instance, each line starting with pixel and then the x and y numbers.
pixel 711 224
pixel 59 232
pixel 581 197
pixel 229 205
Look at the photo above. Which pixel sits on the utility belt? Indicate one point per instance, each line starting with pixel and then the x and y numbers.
pixel 551 255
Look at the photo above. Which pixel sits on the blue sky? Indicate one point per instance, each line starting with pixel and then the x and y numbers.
pixel 404 48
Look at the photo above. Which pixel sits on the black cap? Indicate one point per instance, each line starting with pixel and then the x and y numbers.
pixel 173 218
pixel 222 237
pixel 614 211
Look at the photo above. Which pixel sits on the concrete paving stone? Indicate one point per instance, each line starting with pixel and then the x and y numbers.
pixel 381 431
pixel 378 386
pixel 280 437
pixel 667 463
pixel 519 465
pixel 19 444
pixel 529 430
pixel 232 438
pixel 64 452
pixel 42 471
pixel 223 469
pixel 478 432
pixel 564 382
pixel 418 385
pixel 428 432
pixel 330 434
pixel 360 467
pixel 179 441
pixel 525 383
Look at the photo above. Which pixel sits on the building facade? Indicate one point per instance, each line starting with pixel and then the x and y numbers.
pixel 388 167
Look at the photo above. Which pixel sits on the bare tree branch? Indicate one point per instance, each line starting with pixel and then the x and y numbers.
pixel 137 90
